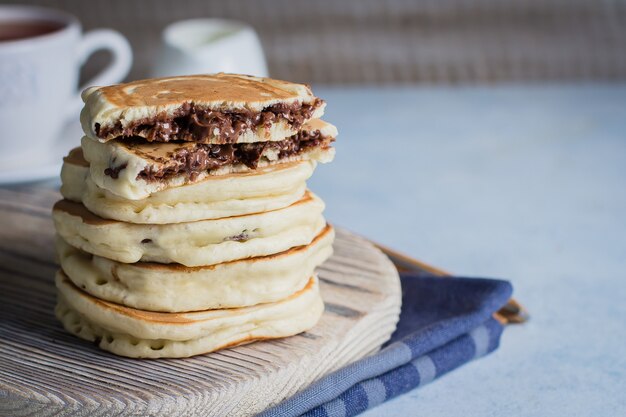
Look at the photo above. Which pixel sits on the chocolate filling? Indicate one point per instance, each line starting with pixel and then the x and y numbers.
pixel 192 124
pixel 205 157
pixel 114 172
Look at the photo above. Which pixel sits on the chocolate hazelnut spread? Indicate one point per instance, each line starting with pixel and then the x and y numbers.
pixel 189 123
pixel 199 157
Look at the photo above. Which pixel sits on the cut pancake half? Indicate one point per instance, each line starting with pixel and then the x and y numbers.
pixel 134 169
pixel 263 189
pixel 143 334
pixel 199 243
pixel 209 108
pixel 176 288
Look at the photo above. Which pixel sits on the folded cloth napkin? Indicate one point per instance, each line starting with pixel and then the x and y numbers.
pixel 444 323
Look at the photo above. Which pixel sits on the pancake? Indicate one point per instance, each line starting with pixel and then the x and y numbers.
pixel 210 108
pixel 264 189
pixel 204 242
pixel 176 288
pixel 74 173
pixel 134 169
pixel 142 334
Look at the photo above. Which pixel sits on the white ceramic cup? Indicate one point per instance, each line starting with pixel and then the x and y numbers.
pixel 39 77
pixel 201 46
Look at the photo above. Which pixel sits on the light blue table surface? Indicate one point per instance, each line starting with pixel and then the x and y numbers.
pixel 523 183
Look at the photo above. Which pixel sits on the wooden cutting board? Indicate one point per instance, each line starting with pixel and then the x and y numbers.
pixel 44 370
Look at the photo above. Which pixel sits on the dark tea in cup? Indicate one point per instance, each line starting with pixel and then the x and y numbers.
pixel 16 30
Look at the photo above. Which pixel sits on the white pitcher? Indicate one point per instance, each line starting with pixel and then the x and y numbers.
pixel 201 46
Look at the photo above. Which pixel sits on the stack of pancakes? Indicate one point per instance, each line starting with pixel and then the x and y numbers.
pixel 186 225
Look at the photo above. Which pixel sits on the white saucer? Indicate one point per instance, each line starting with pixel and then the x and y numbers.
pixel 47 165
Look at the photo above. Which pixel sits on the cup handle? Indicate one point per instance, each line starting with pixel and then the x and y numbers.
pixel 115 72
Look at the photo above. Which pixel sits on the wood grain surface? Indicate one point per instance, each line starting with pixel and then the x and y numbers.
pixel 45 371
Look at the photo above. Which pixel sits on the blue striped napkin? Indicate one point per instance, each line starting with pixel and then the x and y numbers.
pixel 444 323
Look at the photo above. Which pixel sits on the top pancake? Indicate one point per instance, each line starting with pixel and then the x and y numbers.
pixel 139 103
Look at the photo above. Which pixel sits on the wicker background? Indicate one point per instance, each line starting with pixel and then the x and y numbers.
pixel 395 41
